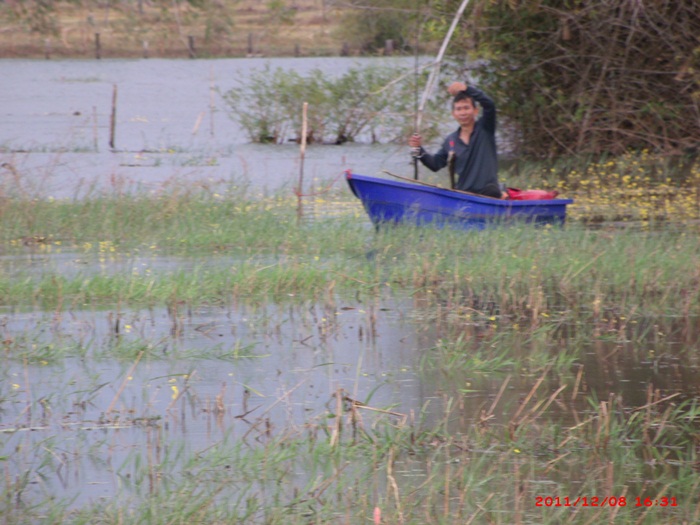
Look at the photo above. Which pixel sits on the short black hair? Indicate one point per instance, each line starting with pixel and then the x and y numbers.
pixel 462 95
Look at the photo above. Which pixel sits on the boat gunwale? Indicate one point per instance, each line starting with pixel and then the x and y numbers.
pixel 445 192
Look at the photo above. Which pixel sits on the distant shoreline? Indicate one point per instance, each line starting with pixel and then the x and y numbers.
pixel 242 29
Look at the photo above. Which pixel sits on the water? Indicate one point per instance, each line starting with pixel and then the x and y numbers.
pixel 171 124
pixel 84 392
pixel 234 368
pixel 99 387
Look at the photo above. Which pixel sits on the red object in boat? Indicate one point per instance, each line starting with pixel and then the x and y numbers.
pixel 516 194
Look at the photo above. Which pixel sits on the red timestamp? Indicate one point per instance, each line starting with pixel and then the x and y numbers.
pixel 581 501
pixel 607 501
pixel 656 502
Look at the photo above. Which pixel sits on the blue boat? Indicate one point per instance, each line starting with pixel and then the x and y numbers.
pixel 389 201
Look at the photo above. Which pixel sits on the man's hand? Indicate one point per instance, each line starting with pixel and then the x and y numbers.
pixel 415 141
pixel 456 87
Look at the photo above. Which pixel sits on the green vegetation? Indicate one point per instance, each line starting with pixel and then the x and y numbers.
pixel 369 25
pixel 638 186
pixel 526 335
pixel 569 78
pixel 520 307
pixel 574 77
pixel 352 463
pixel 364 103
pixel 570 273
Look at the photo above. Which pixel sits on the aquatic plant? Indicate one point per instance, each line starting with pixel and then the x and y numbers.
pixel 369 104
pixel 512 463
pixel 639 187
pixel 116 306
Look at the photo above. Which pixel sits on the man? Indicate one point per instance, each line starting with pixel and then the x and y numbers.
pixel 472 146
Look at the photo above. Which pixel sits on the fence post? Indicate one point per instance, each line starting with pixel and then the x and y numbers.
pixel 113 118
pixel 389 47
pixel 190 46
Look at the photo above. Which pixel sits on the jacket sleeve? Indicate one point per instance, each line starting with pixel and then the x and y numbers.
pixel 488 107
pixel 434 162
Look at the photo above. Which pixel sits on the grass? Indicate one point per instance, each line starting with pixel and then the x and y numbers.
pixel 515 275
pixel 529 331
pixel 342 465
pixel 67 29
pixel 638 186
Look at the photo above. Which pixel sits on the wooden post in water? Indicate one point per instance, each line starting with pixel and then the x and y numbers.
pixel 302 141
pixel 389 47
pixel 145 49
pixel 250 43
pixel 297 51
pixel 98 47
pixel 47 49
pixel 190 46
pixel 113 118
pixel 94 129
pixel 212 99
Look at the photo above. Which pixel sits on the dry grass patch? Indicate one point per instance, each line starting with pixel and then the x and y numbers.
pixel 219 29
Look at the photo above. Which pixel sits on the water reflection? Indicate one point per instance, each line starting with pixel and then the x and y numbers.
pixel 101 386
pixel 107 379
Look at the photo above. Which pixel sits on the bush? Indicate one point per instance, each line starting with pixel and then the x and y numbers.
pixel 594 77
pixel 373 104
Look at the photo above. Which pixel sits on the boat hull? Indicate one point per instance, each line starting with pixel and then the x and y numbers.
pixel 388 201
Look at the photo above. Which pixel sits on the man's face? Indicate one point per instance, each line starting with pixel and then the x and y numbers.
pixel 464 112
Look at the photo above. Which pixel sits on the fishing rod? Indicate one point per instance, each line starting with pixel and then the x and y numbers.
pixel 415 152
pixel 436 68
